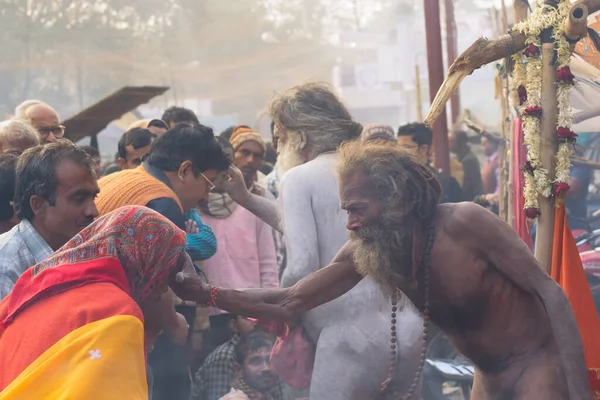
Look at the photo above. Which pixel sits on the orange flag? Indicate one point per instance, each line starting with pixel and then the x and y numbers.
pixel 567 270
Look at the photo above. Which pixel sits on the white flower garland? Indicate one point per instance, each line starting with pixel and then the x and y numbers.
pixel 528 80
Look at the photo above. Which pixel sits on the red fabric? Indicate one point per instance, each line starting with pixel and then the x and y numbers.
pixel 293 355
pixel 30 289
pixel 43 323
pixel 519 157
pixel 568 271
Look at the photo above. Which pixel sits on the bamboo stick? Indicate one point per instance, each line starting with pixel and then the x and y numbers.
pixel 548 149
pixel 419 97
pixel 480 53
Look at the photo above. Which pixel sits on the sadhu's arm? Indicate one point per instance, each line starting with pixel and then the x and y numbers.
pixel 280 304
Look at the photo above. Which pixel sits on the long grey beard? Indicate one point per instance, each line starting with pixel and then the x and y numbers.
pixel 289 154
pixel 384 256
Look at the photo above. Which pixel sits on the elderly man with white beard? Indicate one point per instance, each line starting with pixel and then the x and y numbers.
pixel 352 334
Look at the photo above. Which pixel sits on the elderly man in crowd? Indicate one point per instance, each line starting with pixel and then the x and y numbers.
pixel 54 198
pixel 43 118
pixel 16 137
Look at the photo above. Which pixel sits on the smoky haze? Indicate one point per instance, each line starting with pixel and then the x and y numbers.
pixel 222 58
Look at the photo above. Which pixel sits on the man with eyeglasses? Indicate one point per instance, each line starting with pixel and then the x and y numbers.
pixel 176 173
pixel 43 118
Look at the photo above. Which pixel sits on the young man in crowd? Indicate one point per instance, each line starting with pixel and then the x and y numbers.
pixel 459 146
pixel 54 199
pixel 95 154
pixel 256 378
pixel 177 173
pixel 134 144
pixel 176 115
pixel 416 139
pixel 43 118
pixel 16 137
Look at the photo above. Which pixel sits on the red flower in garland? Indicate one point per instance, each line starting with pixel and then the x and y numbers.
pixel 527 168
pixel 564 75
pixel 532 50
pixel 560 189
pixel 566 134
pixel 522 94
pixel 532 212
pixel 533 111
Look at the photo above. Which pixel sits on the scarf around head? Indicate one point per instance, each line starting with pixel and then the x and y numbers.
pixel 146 244
pixel 252 394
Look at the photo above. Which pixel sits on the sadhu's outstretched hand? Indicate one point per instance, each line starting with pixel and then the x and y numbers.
pixel 235 185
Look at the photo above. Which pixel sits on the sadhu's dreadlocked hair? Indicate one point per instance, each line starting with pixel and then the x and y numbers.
pixel 403 184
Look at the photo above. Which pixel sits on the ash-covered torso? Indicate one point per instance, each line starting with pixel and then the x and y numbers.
pixel 352 333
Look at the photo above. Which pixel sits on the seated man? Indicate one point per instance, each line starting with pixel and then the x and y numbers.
pixel 256 378
pixel 465 269
pixel 213 380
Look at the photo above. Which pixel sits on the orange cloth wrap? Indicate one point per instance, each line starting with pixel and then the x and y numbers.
pixel 134 187
pixel 568 271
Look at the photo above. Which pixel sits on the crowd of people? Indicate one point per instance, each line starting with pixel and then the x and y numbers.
pixel 91 256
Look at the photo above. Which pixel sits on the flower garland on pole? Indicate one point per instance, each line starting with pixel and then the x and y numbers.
pixel 528 81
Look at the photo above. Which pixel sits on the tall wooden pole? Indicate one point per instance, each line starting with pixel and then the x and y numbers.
pixel 548 149
pixel 435 66
pixel 451 55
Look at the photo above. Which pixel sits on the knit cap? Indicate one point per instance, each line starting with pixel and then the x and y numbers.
pixel 378 131
pixel 242 134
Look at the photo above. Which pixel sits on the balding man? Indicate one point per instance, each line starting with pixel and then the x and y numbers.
pixel 43 118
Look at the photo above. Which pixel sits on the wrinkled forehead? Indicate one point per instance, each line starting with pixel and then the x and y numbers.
pixel 354 184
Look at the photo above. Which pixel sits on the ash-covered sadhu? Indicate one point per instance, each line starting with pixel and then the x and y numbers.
pixel 465 269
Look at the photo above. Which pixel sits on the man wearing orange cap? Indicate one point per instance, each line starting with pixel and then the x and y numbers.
pixel 249 151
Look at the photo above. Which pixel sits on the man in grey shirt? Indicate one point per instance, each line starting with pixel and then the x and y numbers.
pixel 54 199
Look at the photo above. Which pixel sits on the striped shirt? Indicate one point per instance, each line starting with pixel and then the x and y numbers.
pixel 20 248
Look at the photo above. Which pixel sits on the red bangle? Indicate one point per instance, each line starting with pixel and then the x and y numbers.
pixel 213 296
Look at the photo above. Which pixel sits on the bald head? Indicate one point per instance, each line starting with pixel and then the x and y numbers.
pixel 42 117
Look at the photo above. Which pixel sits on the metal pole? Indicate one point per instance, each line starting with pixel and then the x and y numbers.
pixel 435 66
pixel 451 53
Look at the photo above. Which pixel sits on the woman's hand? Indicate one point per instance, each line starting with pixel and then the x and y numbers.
pixel 179 333
pixel 191 227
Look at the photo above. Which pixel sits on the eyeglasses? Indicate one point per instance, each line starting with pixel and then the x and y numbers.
pixel 211 185
pixel 58 131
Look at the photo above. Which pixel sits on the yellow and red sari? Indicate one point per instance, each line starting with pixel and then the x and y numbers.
pixel 72 328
